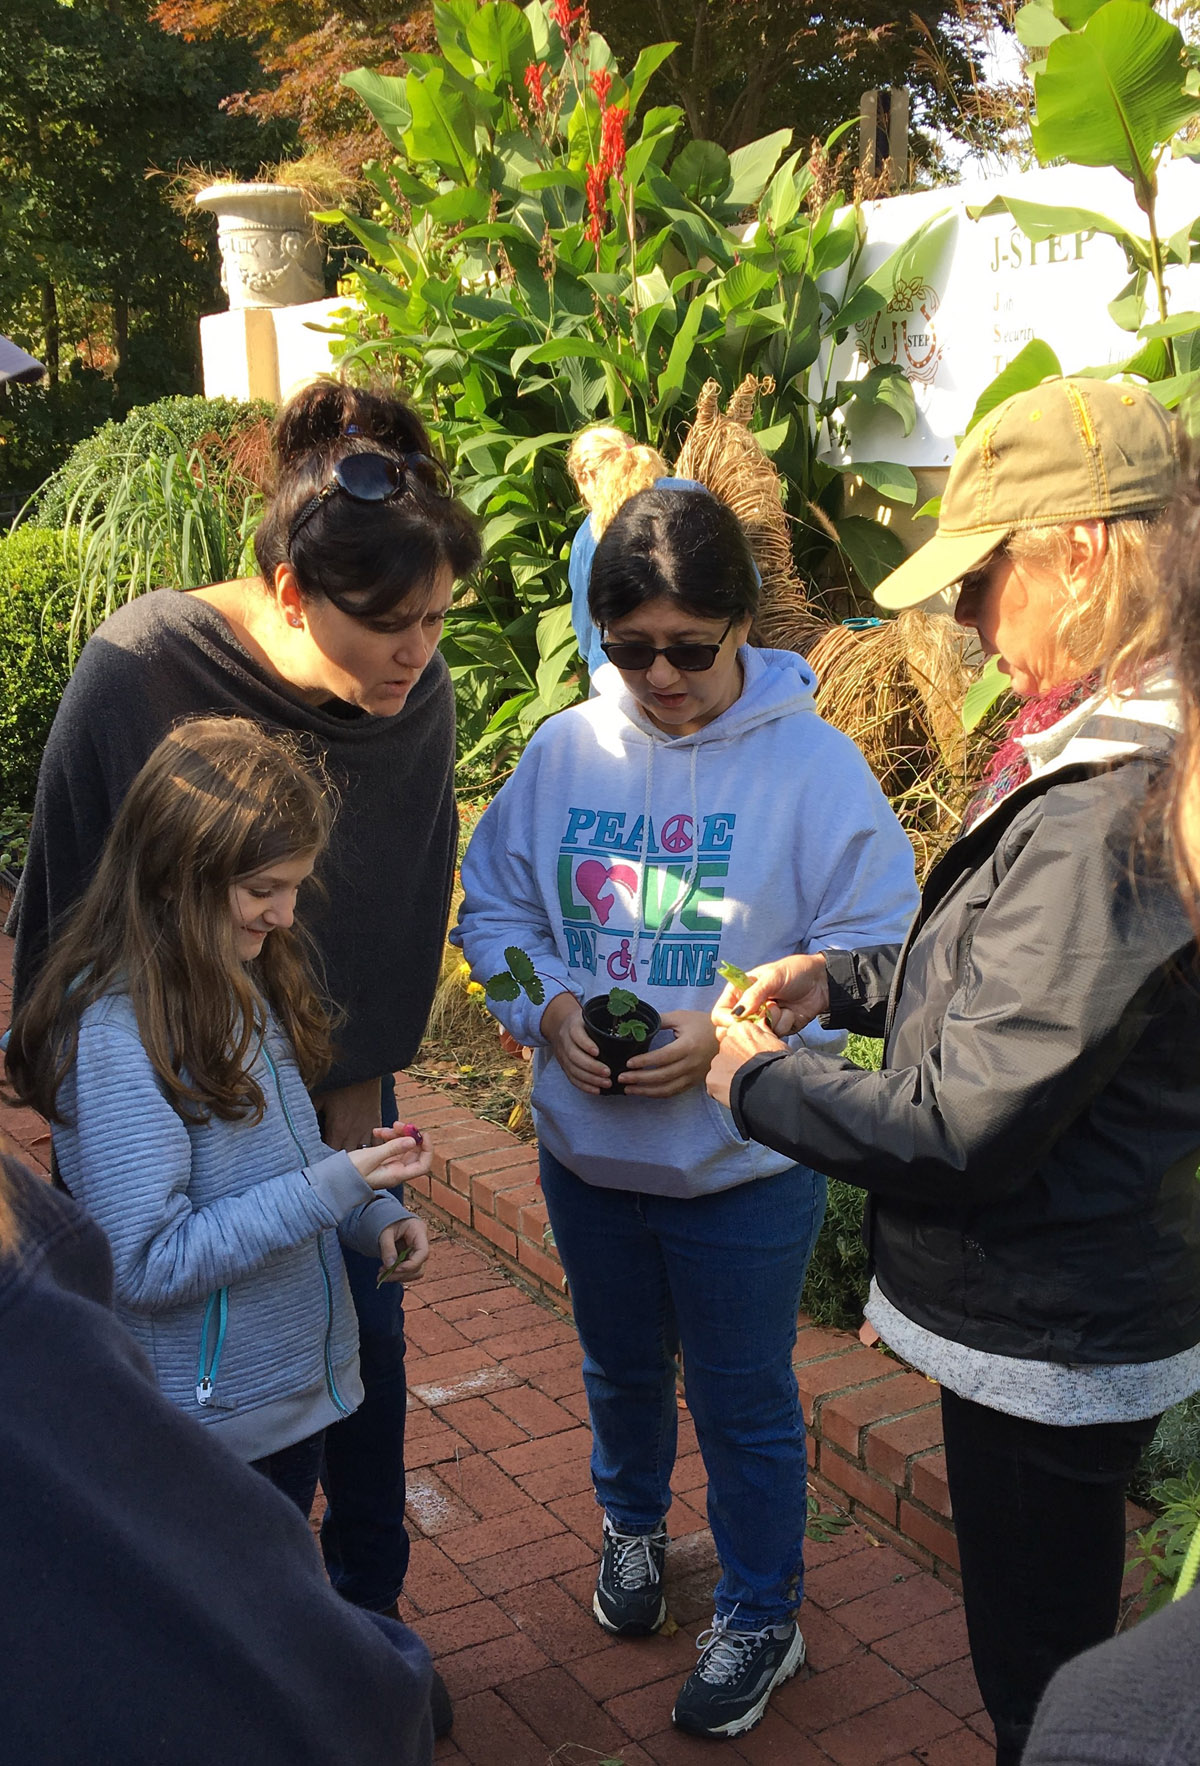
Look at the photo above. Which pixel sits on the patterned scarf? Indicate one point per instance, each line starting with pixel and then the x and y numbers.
pixel 1009 765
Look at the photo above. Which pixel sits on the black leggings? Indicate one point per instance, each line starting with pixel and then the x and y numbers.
pixel 1039 1512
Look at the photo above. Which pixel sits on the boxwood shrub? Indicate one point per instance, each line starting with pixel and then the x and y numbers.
pixel 836 1289
pixel 189 420
pixel 36 589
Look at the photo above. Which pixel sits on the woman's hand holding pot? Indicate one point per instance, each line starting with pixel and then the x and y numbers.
pixel 563 1027
pixel 681 1064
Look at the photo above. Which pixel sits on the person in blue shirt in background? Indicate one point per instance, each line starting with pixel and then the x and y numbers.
pixel 608 467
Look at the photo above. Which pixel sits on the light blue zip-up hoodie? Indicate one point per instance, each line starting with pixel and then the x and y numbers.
pixel 224 1235
pixel 619 855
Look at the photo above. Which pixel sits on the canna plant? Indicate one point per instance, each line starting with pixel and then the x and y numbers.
pixel 546 250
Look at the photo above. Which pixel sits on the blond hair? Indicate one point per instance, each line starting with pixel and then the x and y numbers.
pixel 609 467
pixel 1118 621
pixel 1181 596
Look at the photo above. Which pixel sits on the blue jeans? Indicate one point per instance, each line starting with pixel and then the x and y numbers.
pixel 363 1537
pixel 721 1277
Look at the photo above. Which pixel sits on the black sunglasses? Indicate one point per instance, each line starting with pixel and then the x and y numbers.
pixel 375 478
pixel 689 659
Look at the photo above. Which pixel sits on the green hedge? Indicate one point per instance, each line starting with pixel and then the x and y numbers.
pixel 189 420
pixel 836 1289
pixel 36 589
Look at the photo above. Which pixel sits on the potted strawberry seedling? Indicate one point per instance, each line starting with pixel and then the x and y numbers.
pixel 620 1025
pixel 618 1022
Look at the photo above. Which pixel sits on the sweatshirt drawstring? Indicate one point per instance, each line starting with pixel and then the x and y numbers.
pixel 690 875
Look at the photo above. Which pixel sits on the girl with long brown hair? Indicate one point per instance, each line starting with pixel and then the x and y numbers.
pixel 173 1038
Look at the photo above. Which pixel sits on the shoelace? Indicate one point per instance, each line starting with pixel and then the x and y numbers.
pixel 724 1653
pixel 633 1562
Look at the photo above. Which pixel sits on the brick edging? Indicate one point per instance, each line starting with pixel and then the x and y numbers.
pixel 875 1441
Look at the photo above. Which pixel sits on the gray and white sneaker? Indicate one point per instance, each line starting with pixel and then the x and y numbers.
pixel 727 1691
pixel 629 1598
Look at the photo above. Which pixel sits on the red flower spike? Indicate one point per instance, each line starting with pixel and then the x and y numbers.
pixel 535 75
pixel 602 85
pixel 565 15
pixel 612 140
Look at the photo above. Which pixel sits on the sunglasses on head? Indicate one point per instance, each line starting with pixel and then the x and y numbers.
pixel 689 659
pixel 374 478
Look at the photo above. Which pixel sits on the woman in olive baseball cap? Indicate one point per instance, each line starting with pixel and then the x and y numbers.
pixel 1030 1145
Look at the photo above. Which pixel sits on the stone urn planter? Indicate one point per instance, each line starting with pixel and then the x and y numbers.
pixel 270 254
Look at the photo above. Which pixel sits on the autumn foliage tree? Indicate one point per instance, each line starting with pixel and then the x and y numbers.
pixel 742 68
pixel 303 49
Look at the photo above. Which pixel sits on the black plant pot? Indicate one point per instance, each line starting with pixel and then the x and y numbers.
pixel 616 1051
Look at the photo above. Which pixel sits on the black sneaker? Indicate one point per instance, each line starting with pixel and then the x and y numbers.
pixel 727 1691
pixel 629 1598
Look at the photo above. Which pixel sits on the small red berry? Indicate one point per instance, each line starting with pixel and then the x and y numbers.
pixel 413 1133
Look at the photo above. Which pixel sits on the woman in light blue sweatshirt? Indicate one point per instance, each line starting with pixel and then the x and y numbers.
pixel 697 811
pixel 172 1038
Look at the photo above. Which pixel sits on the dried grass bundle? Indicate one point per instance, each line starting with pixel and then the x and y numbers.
pixel 724 455
pixel 896 690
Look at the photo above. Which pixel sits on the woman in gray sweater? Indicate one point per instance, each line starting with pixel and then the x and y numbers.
pixel 334 643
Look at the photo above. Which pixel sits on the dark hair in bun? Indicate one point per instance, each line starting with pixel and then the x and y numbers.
pixel 682 544
pixel 366 558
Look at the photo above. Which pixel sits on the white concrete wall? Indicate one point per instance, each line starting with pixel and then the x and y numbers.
pixel 267 352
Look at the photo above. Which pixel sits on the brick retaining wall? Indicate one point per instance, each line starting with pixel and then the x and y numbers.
pixel 875 1441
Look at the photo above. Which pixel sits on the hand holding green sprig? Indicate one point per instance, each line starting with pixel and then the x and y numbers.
pixel 738 978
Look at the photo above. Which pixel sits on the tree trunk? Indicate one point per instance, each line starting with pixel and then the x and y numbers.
pixel 120 329
pixel 51 329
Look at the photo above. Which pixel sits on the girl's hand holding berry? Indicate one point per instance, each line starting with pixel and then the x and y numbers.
pixel 403 1249
pixel 394 1159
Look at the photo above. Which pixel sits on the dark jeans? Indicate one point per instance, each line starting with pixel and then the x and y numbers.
pixel 720 1274
pixel 1039 1512
pixel 294 1470
pixel 362 1474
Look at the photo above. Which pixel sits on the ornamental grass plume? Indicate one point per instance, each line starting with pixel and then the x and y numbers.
pixel 722 452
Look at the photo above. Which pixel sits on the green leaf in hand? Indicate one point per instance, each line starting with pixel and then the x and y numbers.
pixel 738 978
pixel 390 1268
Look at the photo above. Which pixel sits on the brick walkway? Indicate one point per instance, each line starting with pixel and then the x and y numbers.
pixel 504 1566
pixel 505 1540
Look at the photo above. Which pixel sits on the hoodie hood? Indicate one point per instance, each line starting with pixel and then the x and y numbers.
pixel 776 683
pixel 618 855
